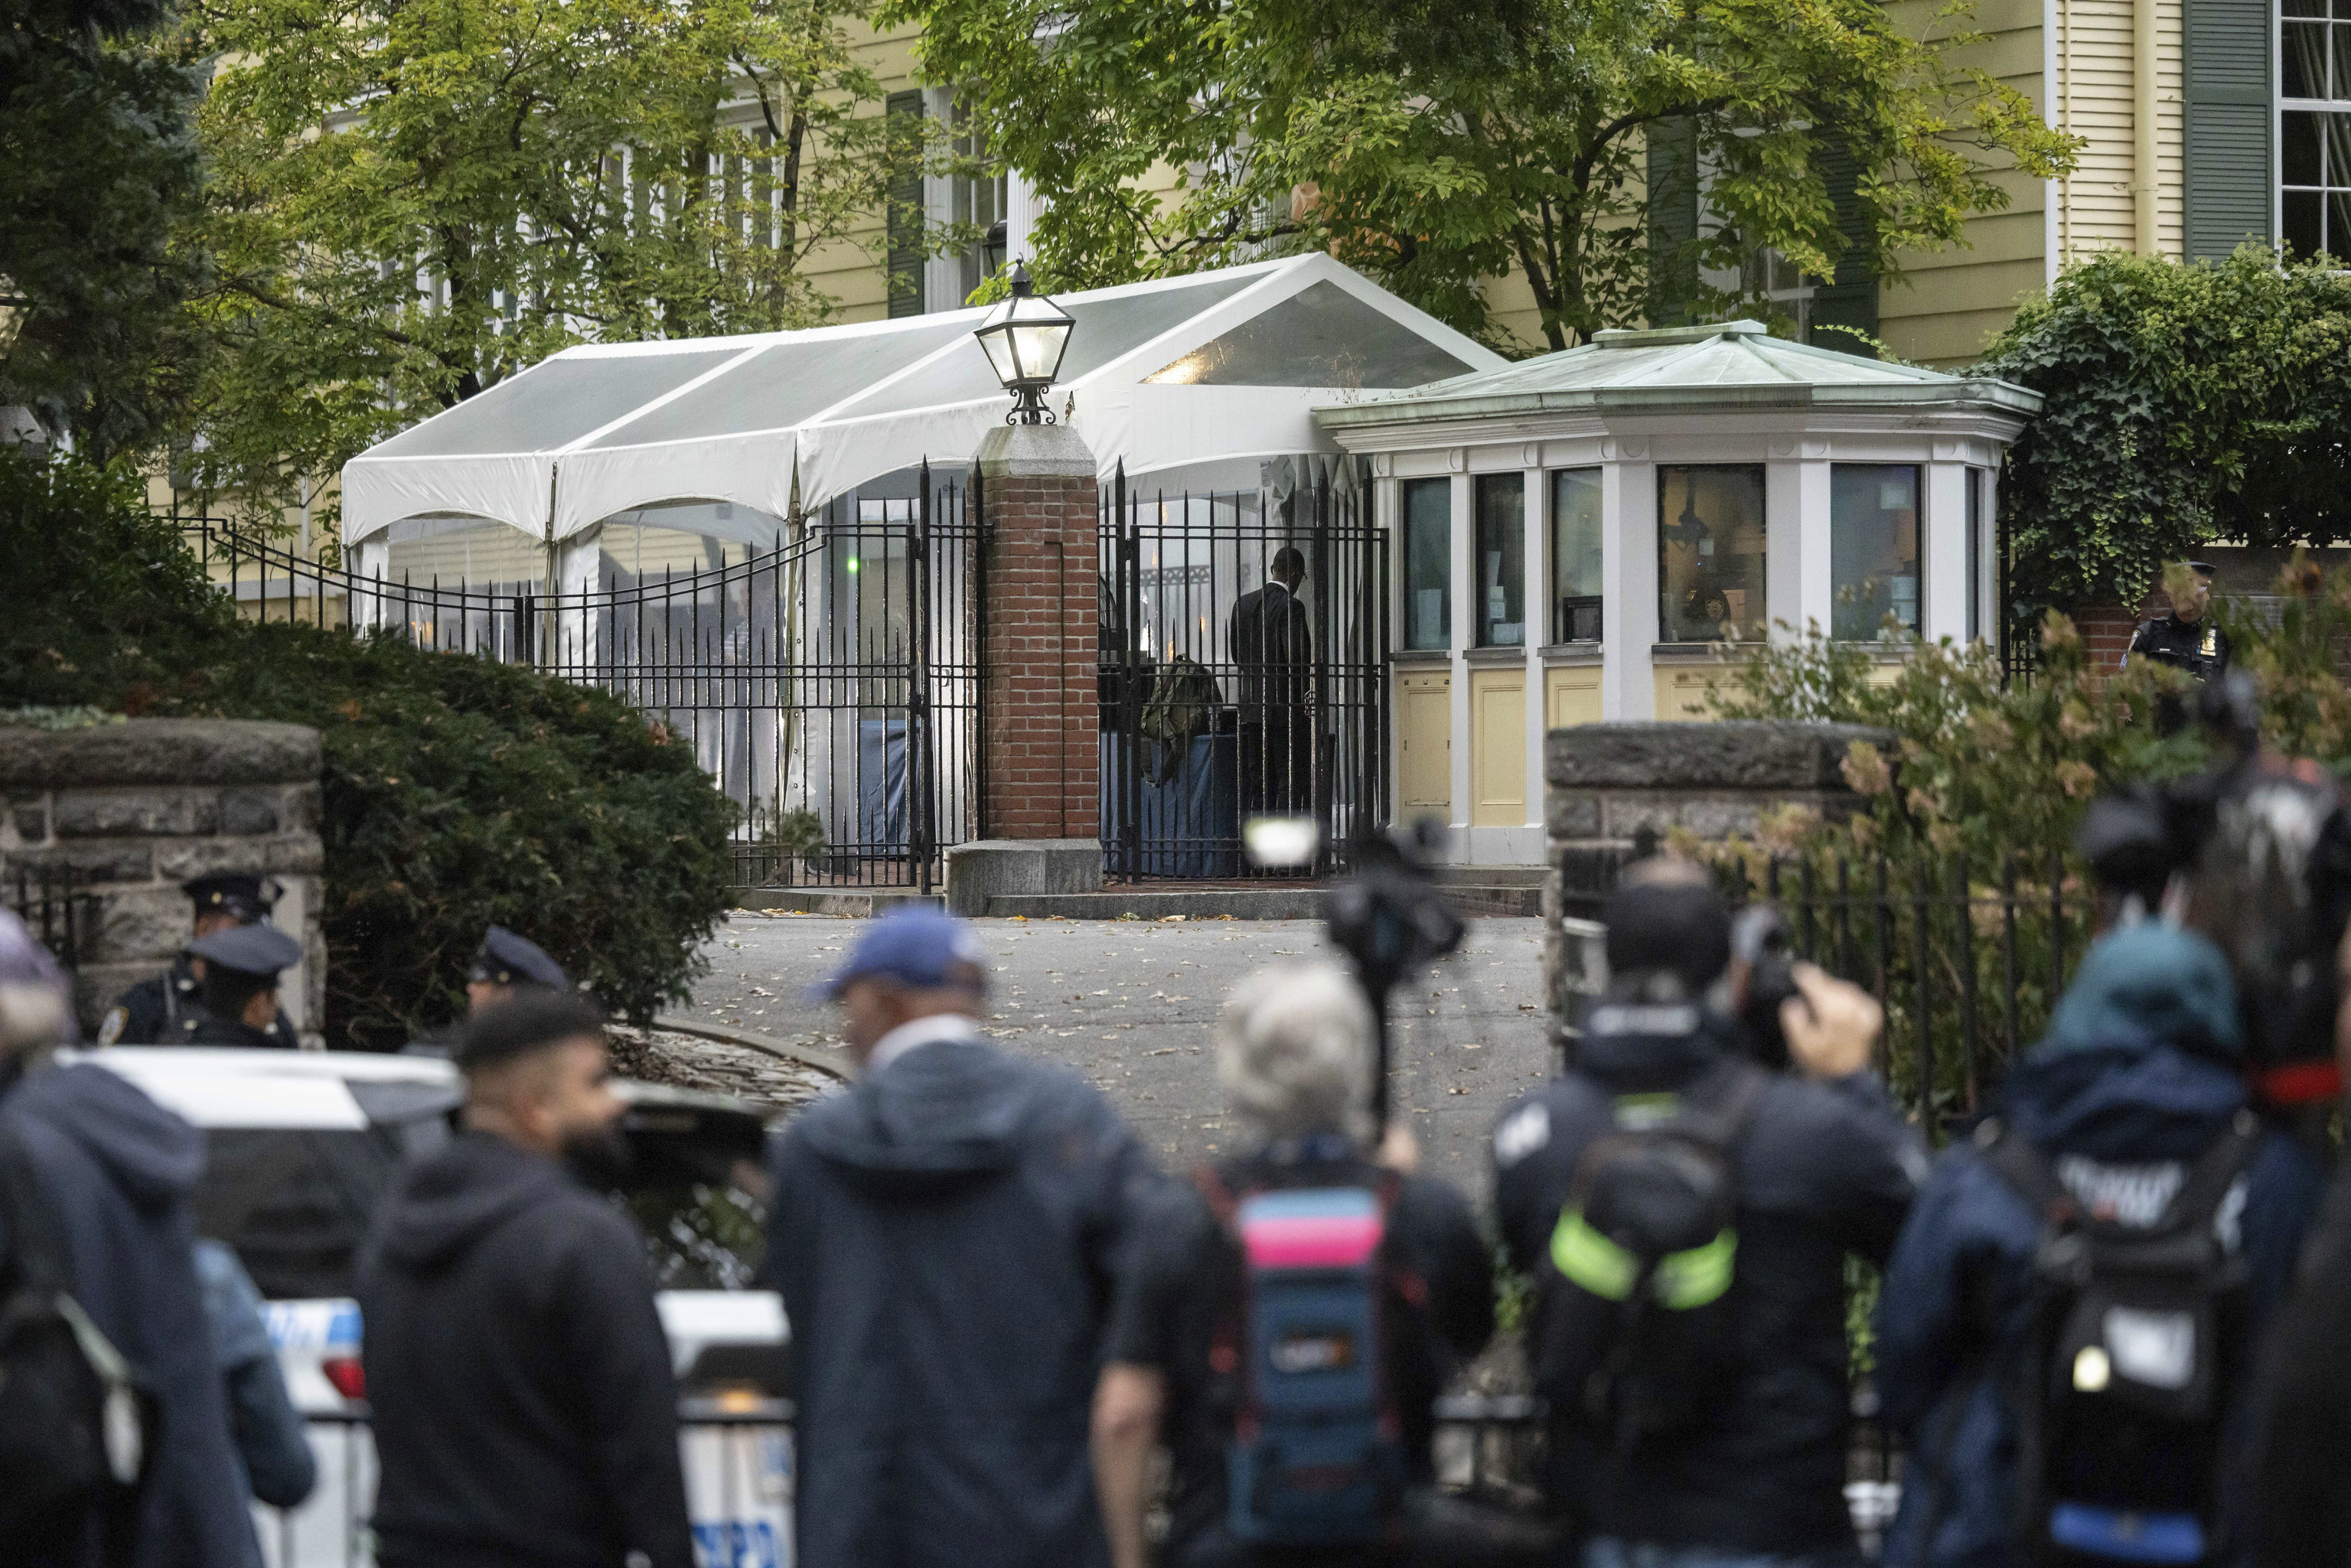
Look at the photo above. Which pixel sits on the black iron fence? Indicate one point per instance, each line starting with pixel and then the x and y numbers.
pixel 1244 639
pixel 53 901
pixel 829 683
pixel 1967 959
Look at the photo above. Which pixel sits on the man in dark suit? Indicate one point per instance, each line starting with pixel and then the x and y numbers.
pixel 1274 648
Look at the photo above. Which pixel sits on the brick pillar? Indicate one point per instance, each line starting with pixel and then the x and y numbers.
pixel 1041 746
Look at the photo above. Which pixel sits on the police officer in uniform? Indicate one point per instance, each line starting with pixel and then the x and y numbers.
pixel 505 963
pixel 2186 639
pixel 241 968
pixel 167 1009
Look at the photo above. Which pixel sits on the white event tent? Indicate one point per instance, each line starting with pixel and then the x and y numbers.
pixel 1196 379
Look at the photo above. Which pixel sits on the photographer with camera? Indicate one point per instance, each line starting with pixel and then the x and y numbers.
pixel 2066 1333
pixel 1286 1321
pixel 1687 1213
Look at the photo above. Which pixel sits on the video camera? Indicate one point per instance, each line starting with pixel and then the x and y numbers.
pixel 2254 854
pixel 1389 918
pixel 1761 948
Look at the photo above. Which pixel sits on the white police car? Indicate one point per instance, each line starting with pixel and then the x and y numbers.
pixel 302 1145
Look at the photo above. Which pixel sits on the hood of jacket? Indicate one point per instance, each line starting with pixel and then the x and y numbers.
pixel 451 1199
pixel 2140 1060
pixel 150 1154
pixel 945 1115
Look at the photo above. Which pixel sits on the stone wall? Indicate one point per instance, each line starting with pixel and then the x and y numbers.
pixel 136 808
pixel 1612 788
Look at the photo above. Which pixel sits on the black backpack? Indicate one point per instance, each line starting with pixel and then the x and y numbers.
pixel 2133 1358
pixel 75 1426
pixel 1640 1336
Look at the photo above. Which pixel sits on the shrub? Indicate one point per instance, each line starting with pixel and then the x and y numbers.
pixel 457 793
pixel 2184 403
pixel 1992 783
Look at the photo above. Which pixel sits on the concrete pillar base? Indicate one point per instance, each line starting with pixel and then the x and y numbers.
pixel 986 868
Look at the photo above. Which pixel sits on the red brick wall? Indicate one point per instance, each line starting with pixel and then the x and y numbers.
pixel 2107 628
pixel 1041 747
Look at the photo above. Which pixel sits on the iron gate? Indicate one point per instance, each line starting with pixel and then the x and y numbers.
pixel 829 684
pixel 1226 693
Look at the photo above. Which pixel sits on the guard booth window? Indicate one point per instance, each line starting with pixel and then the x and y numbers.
pixel 1501 561
pixel 1710 552
pixel 1428 563
pixel 1873 550
pixel 1575 555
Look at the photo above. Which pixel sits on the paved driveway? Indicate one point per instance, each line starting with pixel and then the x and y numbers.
pixel 1132 1004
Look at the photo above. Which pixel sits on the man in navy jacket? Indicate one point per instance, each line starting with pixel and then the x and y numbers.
pixel 2136 1076
pixel 946 1236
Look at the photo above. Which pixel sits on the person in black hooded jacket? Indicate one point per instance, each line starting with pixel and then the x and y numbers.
pixel 524 1408
pixel 1823 1166
pixel 114 1170
pixel 946 1237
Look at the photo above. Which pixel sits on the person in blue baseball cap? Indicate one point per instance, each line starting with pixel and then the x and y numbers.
pixel 946 1237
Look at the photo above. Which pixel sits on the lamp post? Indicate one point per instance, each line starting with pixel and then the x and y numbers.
pixel 1025 337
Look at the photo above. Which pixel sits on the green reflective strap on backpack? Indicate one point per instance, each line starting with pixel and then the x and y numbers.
pixel 1684 1280
pixel 1590 1260
pixel 1697 1277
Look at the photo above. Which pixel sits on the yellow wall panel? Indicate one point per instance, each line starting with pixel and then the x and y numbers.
pixel 1571 696
pixel 1683 689
pixel 1498 748
pixel 1425 742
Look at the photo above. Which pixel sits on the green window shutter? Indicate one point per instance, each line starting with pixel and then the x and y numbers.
pixel 905 218
pixel 2229 194
pixel 1850 298
pixel 1673 219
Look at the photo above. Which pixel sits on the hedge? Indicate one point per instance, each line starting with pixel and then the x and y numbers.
pixel 457 793
pixel 2183 404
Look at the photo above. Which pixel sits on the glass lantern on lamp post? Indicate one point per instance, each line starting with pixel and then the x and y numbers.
pixel 1025 337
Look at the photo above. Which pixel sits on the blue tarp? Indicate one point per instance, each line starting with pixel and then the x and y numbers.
pixel 1191 825
pixel 881 784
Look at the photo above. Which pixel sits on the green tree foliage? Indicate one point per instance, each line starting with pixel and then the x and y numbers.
pixel 97 167
pixel 1434 147
pixel 2185 404
pixel 412 200
pixel 457 793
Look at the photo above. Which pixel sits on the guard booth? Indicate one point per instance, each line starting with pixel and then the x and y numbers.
pixel 1577 537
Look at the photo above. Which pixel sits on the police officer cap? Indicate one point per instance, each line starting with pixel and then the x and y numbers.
pixel 507 959
pixel 246 897
pixel 248 949
pixel 2203 568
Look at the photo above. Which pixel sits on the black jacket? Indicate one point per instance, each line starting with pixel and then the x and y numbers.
pixel 2198 647
pixel 169 1009
pixel 2301 1507
pixel 1273 645
pixel 524 1409
pixel 1822 1170
pixel 116 1169
pixel 946 1237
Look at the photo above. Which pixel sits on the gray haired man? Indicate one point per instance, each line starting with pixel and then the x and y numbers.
pixel 1294 1055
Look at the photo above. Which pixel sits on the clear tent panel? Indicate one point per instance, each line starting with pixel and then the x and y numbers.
pixel 1321 336
pixel 786 383
pixel 1106 330
pixel 555 401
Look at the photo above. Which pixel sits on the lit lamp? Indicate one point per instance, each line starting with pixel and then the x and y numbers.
pixel 1025 337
